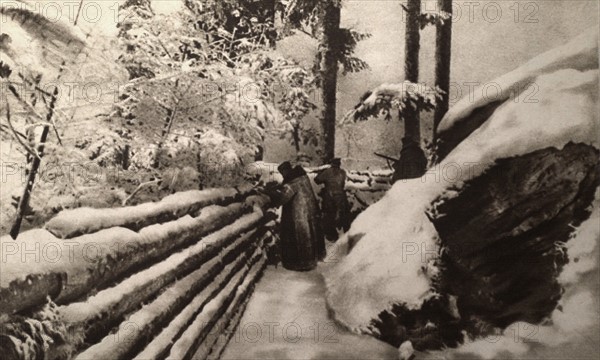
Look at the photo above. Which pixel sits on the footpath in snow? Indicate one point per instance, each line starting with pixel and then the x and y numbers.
pixel 286 318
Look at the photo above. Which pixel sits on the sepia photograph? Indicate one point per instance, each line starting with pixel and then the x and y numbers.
pixel 299 180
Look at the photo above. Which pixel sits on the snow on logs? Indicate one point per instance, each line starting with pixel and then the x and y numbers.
pixel 102 279
pixel 67 270
pixel 75 222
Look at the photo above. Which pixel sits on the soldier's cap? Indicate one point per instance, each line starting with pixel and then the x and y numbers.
pixel 336 161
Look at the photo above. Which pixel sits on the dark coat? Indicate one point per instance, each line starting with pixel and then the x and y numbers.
pixel 302 243
pixel 335 202
pixel 412 163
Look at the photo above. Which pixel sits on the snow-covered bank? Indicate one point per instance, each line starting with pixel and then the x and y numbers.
pixel 520 86
pixel 394 257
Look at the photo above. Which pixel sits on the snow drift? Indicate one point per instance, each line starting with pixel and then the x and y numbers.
pixel 514 179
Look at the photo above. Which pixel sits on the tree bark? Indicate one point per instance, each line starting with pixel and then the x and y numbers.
pixel 443 45
pixel 412 126
pixel 35 164
pixel 331 14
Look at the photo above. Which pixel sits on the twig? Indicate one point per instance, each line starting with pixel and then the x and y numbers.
pixel 23 102
pixel 137 190
pixel 7 129
pixel 16 135
pixel 78 12
pixel 24 200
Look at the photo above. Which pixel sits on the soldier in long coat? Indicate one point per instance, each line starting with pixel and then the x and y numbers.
pixel 302 243
pixel 412 163
pixel 336 210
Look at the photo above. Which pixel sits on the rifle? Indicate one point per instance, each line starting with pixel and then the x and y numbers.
pixel 388 159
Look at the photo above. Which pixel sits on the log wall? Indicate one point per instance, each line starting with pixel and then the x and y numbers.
pixel 157 280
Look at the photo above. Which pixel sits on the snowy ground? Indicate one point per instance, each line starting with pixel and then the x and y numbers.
pixel 287 318
pixel 287 307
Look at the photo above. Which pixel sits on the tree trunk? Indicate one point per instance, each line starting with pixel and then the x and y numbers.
pixel 412 127
pixel 35 164
pixel 443 45
pixel 331 14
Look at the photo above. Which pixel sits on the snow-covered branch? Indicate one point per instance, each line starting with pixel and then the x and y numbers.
pixel 387 97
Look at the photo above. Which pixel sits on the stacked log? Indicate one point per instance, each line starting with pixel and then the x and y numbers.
pixel 198 256
pixel 93 261
pixel 71 223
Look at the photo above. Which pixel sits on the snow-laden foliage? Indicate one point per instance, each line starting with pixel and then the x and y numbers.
pixel 387 97
pixel 207 71
pixel 205 88
pixel 428 18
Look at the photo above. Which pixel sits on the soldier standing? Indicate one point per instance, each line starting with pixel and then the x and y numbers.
pixel 412 163
pixel 335 203
pixel 302 243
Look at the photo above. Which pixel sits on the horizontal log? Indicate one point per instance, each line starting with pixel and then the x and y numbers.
pixel 160 346
pixel 80 221
pixel 94 261
pixel 94 316
pixel 362 186
pixel 225 336
pixel 186 346
pixel 206 281
pixel 223 323
pixel 224 329
pixel 267 172
pixel 59 333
